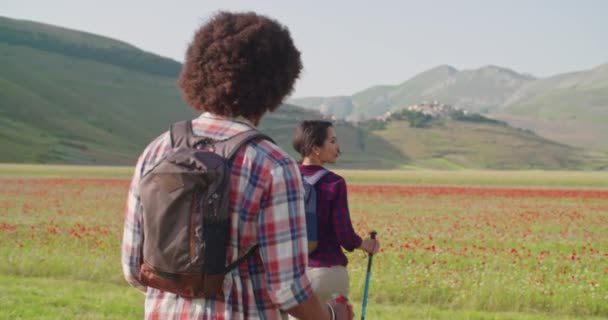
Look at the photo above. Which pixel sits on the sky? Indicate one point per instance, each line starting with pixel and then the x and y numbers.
pixel 349 46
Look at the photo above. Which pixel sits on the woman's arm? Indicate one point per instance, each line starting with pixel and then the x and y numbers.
pixel 343 227
pixel 345 232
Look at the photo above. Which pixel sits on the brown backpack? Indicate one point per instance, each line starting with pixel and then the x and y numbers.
pixel 186 223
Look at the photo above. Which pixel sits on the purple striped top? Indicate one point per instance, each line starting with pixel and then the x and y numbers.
pixel 333 218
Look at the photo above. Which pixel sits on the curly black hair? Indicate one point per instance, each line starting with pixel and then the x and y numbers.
pixel 239 64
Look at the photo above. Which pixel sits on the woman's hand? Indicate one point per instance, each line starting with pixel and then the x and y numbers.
pixel 370 245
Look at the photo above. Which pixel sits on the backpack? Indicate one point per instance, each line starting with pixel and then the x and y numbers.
pixel 310 207
pixel 186 219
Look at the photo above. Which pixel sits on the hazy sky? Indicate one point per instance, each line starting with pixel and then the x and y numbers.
pixel 348 46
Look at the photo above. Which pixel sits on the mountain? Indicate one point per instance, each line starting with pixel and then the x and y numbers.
pixel 76 98
pixel 68 96
pixel 473 141
pixel 479 90
pixel 73 97
pixel 571 108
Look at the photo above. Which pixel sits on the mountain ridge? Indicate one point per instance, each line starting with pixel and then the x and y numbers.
pixel 67 105
pixel 577 98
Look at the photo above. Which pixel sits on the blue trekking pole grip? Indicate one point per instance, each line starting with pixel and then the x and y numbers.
pixel 369 269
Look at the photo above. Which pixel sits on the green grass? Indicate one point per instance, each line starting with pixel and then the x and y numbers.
pixel 426 312
pixel 63 171
pixel 488 178
pixel 60 242
pixel 49 298
pixel 414 176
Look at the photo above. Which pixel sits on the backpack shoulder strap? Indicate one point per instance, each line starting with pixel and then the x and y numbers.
pixel 183 135
pixel 312 180
pixel 228 148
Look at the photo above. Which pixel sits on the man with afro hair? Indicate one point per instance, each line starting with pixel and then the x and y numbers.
pixel 238 67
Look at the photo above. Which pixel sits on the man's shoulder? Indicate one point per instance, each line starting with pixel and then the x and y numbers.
pixel 271 152
pixel 264 150
pixel 157 147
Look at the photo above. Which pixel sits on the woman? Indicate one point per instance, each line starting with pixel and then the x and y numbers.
pixel 317 143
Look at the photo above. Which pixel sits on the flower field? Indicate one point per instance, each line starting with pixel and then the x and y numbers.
pixel 499 249
pixel 495 249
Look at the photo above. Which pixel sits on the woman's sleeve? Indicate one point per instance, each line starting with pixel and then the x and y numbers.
pixel 343 226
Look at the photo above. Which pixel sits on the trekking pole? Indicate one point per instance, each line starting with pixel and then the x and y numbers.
pixel 369 269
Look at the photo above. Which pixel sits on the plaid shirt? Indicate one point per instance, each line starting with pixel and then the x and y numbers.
pixel 333 220
pixel 267 208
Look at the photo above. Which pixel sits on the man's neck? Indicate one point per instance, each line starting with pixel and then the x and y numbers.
pixel 251 122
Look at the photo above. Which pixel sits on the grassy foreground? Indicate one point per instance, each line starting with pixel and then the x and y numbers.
pixel 448 253
pixel 46 298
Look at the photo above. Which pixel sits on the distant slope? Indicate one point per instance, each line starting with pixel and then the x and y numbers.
pixel 572 108
pixel 85 46
pixel 451 144
pixel 79 111
pixel 482 89
pixel 73 97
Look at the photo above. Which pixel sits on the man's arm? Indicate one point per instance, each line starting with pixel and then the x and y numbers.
pixel 282 236
pixel 132 239
pixel 283 247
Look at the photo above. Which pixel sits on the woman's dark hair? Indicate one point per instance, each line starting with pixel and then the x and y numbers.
pixel 310 133
pixel 239 64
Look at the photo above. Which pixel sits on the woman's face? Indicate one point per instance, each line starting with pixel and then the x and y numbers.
pixel 330 150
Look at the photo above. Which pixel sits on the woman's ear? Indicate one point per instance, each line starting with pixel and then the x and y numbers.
pixel 315 150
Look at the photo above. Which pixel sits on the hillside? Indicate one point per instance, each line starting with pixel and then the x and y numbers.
pixel 360 148
pixel 76 98
pixel 571 108
pixel 479 90
pixel 453 144
pixel 63 100
pixel 58 108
